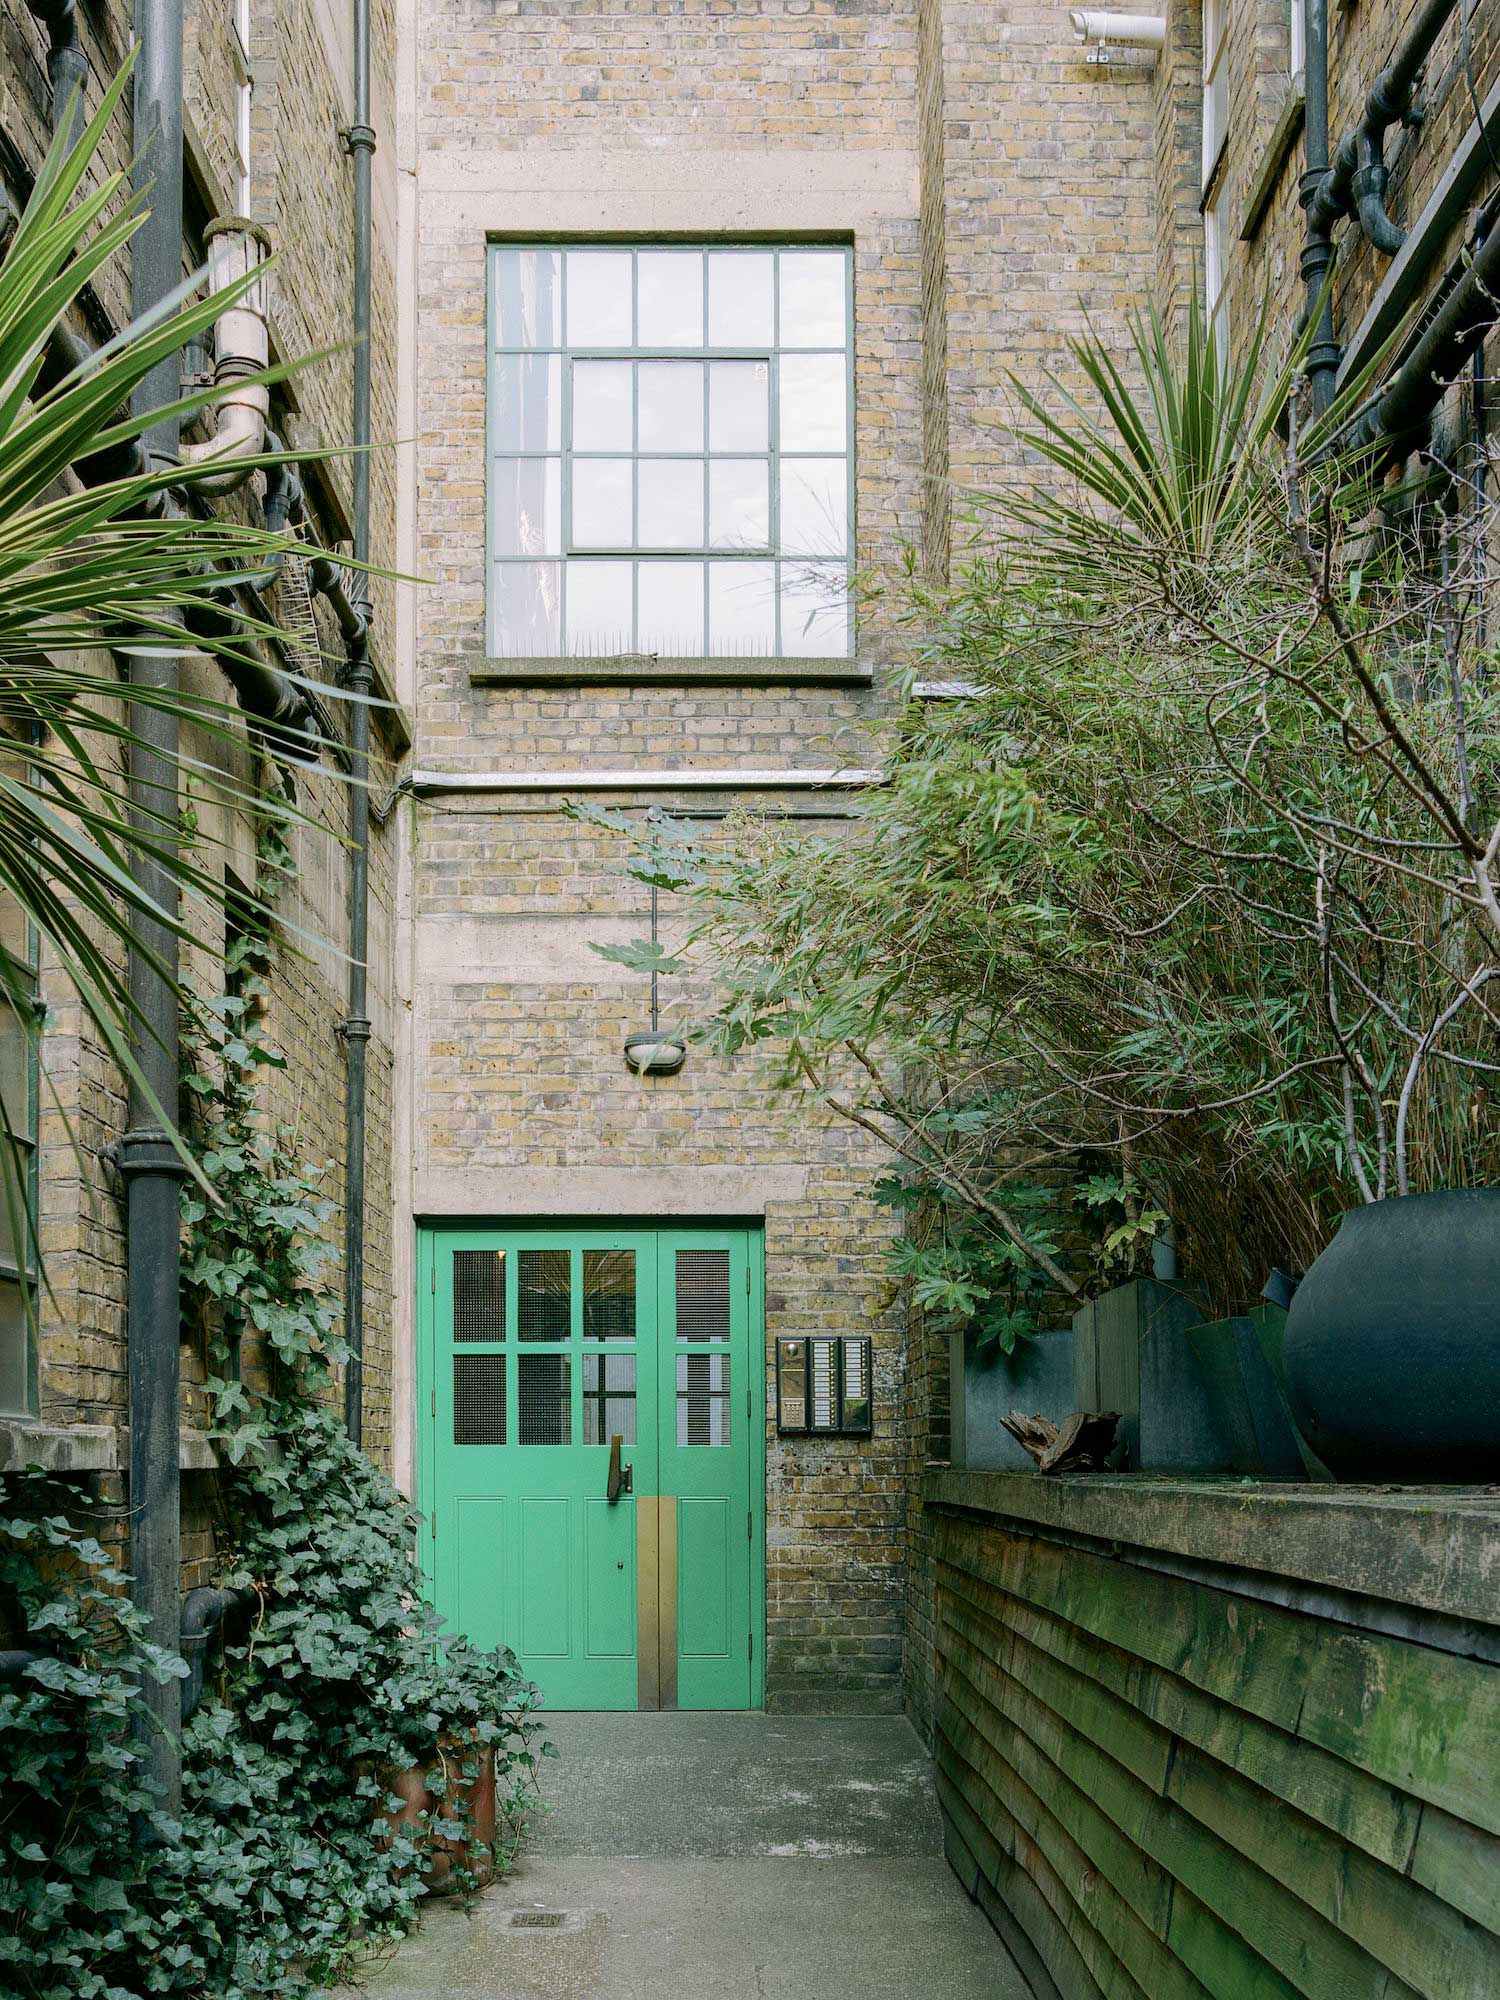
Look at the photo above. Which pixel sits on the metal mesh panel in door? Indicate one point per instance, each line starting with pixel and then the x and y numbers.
pixel 609 1295
pixel 546 1395
pixel 608 1398
pixel 479 1399
pixel 702 1399
pixel 703 1295
pixel 478 1295
pixel 544 1307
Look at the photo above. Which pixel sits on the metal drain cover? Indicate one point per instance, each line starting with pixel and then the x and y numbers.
pixel 543 1920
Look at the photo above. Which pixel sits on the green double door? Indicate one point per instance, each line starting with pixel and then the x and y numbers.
pixel 541 1348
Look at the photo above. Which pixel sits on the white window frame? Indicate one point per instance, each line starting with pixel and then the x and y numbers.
pixel 1297 40
pixel 244 100
pixel 1215 133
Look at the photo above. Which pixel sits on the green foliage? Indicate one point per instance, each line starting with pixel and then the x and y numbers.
pixel 333 1680
pixel 1192 907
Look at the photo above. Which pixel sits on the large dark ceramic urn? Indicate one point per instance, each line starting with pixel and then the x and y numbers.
pixel 1392 1346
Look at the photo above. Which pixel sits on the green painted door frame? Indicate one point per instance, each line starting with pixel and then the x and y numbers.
pixel 535 1346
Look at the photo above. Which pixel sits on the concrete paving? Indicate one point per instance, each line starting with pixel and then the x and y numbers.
pixel 718 1857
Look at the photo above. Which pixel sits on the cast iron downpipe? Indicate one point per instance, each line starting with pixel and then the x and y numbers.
pixel 361 143
pixel 1357 175
pixel 1317 251
pixel 148 1160
pixel 67 65
pixel 203 1612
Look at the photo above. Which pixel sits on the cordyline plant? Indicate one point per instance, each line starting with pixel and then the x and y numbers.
pixel 90 561
pixel 1190 912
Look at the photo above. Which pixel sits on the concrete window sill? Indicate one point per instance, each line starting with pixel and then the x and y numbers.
pixel 68 1448
pixel 658 670
pixel 1273 160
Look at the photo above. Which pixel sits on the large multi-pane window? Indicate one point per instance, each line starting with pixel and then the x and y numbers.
pixel 18 1091
pixel 670 462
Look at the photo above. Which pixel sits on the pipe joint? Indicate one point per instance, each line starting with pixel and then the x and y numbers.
pixel 1367 191
pixel 237 249
pixel 361 138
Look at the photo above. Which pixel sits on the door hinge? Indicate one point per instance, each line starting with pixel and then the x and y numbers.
pixel 747 1281
pixel 749 1524
pixel 750 1647
pixel 434 1402
pixel 433 1275
pixel 432 1518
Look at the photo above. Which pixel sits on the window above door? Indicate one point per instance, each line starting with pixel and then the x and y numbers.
pixel 670 450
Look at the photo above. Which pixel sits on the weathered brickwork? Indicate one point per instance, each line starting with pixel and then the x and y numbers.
pixel 301 191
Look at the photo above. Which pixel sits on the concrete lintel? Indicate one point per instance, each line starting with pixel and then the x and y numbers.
pixel 1434 1547
pixel 797 187
pixel 656 670
pixel 670 778
pixel 474 1193
pixel 58 1447
pixel 196 1452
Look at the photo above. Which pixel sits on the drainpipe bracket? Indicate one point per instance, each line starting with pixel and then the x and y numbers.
pixel 355 1028
pixel 354 138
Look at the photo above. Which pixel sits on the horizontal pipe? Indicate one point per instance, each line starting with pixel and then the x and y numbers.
pixel 1400 418
pixel 846 778
pixel 1126 31
pixel 14 1660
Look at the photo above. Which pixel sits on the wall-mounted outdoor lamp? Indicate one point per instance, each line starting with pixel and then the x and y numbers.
pixel 652 1052
pixel 1101 32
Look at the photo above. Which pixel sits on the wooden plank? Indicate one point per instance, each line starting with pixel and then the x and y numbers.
pixel 1426 1721
pixel 1256 1911
pixel 1374 1816
pixel 1431 1947
pixel 1461 1864
pixel 1090 1916
pixel 1065 1823
pixel 1027 1892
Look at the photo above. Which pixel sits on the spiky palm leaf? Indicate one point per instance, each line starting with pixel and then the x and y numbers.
pixel 84 567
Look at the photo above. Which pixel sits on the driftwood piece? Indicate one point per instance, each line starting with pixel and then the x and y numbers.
pixel 1081 1443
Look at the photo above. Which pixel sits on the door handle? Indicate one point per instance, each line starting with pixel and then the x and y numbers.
pixel 621 1477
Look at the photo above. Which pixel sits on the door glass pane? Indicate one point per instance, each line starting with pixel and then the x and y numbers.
pixel 479 1399
pixel 478 1295
pixel 601 406
pixel 813 408
pixel 528 506
pixel 671 394
pixel 671 609
pixel 812 298
pixel 671 298
pixel 527 310
pixel 703 1295
pixel 670 503
pixel 814 506
pixel 739 503
pixel 741 299
pixel 527 407
pixel 17 1247
pixel 544 1308
pixel 609 1295
pixel 599 608
pixel 815 610
pixel 545 1383
pixel 741 608
pixel 608 1398
pixel 599 298
pixel 15 1366
pixel 739 398
pixel 13 925
pixel 601 503
pixel 702 1399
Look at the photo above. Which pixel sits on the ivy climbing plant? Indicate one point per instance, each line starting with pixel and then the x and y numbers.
pixel 333 1678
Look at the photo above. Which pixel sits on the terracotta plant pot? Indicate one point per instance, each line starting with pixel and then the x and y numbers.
pixel 471 1798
